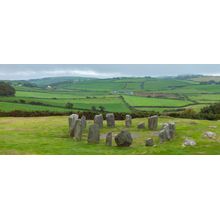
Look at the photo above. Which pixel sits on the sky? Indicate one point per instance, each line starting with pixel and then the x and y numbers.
pixel 33 71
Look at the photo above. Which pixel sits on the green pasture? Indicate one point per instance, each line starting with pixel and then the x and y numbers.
pixel 144 101
pixel 8 107
pixel 49 135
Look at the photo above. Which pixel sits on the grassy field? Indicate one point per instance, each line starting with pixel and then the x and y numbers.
pixel 109 103
pixel 143 101
pixel 49 135
pixel 7 107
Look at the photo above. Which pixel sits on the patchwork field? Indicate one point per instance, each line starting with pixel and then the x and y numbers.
pixel 49 135
pixel 111 95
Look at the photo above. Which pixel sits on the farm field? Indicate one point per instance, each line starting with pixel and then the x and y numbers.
pixel 7 107
pixel 126 94
pixel 143 101
pixel 49 135
pixel 109 104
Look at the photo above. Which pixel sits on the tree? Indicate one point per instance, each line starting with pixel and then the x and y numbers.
pixel 69 105
pixel 6 89
pixel 102 108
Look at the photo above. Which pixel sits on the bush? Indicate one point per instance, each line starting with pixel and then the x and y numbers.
pixel 211 109
pixel 69 105
pixel 22 101
pixel 89 115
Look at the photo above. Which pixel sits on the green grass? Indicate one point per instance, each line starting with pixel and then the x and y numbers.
pixel 205 97
pixel 46 94
pixel 153 109
pixel 114 104
pixel 49 135
pixel 143 101
pixel 8 107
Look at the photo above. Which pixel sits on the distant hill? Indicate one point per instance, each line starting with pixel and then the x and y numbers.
pixel 48 81
pixel 206 78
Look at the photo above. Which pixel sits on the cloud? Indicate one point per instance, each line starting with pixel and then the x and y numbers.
pixel 57 73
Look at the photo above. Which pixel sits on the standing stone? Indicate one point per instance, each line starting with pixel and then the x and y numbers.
pixel 141 125
pixel 123 139
pixel 78 130
pixel 153 122
pixel 149 142
pixel 128 121
pixel 72 121
pixel 83 121
pixel 168 131
pixel 172 127
pixel 110 118
pixel 108 140
pixel 98 119
pixel 94 134
pixel 162 136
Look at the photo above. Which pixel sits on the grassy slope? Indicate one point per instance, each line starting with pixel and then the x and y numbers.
pixel 49 135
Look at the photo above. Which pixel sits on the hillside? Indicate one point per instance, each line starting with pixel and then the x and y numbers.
pixel 54 80
pixel 124 94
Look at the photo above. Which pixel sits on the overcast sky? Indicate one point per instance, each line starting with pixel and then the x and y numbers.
pixel 32 71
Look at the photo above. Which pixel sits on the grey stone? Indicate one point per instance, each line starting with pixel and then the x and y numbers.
pixel 149 142
pixel 83 121
pixel 172 128
pixel 128 121
pixel 210 134
pixel 108 140
pixel 110 118
pixel 153 122
pixel 98 119
pixel 188 142
pixel 72 121
pixel 94 134
pixel 123 139
pixel 141 125
pixel 78 130
pixel 162 136
pixel 168 131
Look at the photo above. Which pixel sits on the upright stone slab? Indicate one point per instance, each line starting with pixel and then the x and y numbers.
pixel 128 121
pixel 94 134
pixel 162 136
pixel 98 119
pixel 108 140
pixel 78 130
pixel 110 118
pixel 168 131
pixel 83 121
pixel 153 122
pixel 72 121
pixel 172 127
pixel 123 139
